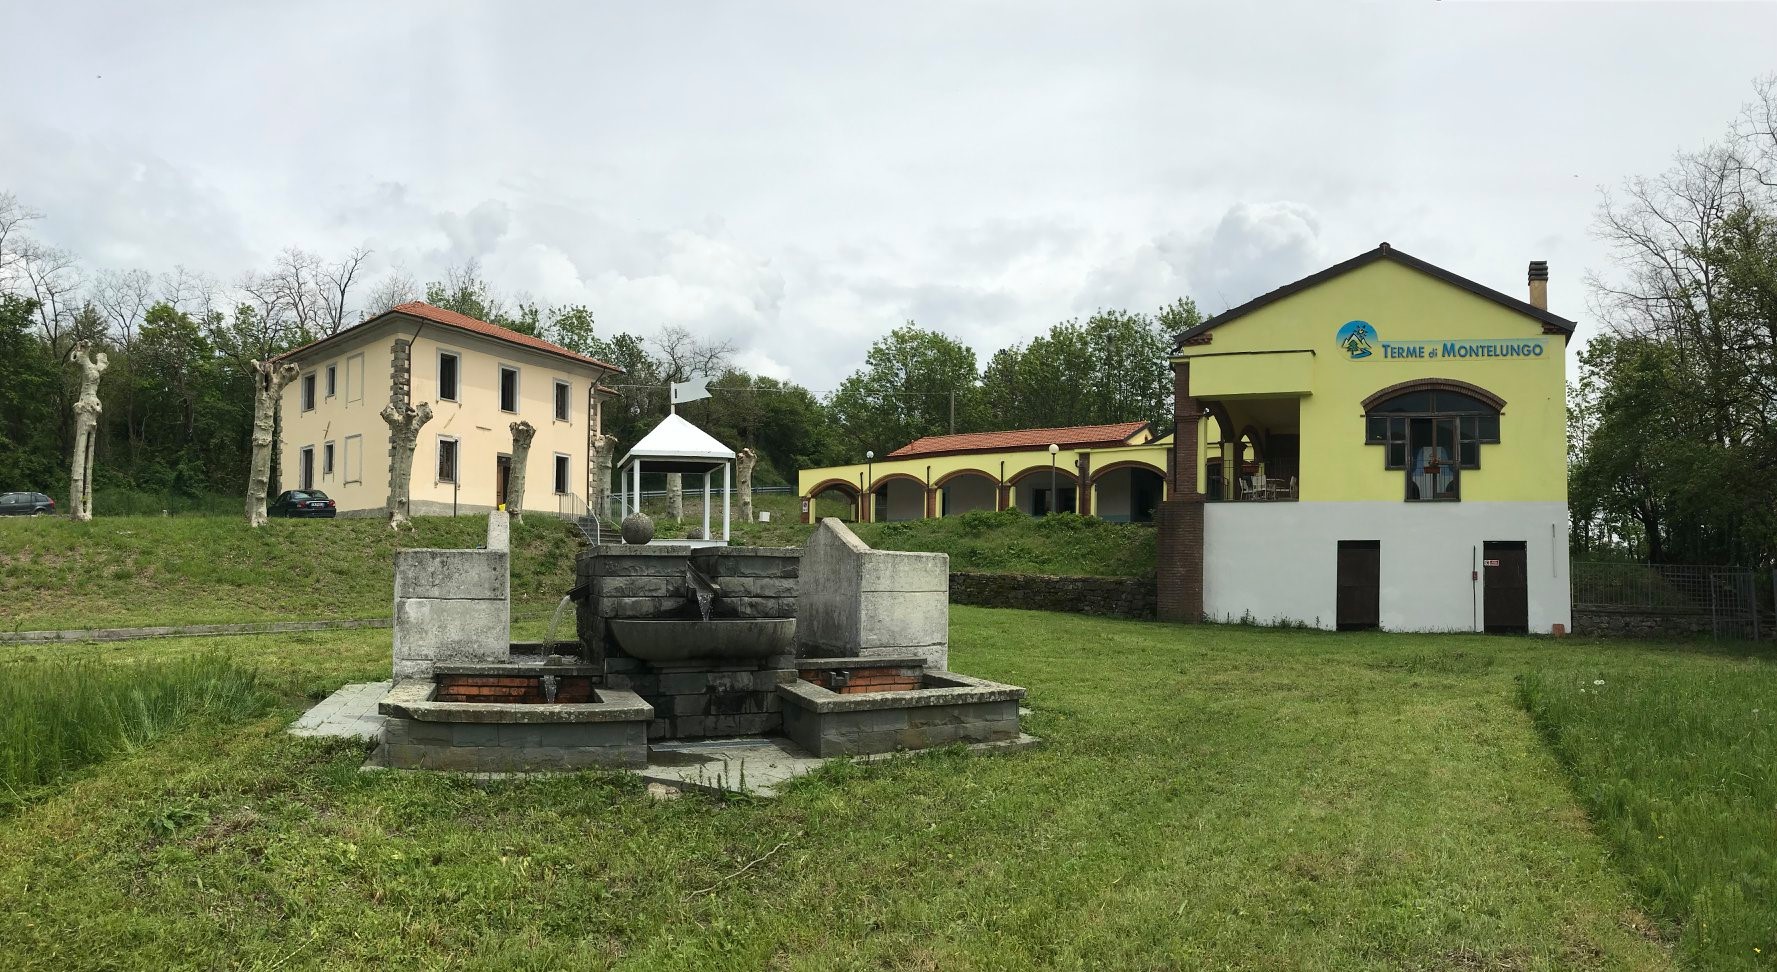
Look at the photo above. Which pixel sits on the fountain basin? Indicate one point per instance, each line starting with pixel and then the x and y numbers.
pixel 673 640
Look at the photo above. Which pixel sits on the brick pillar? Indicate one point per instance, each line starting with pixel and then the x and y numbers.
pixel 1002 497
pixel 808 509
pixel 1179 526
pixel 1083 485
pixel 931 502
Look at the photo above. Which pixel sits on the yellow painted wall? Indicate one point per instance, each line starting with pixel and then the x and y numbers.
pixel 933 469
pixel 1528 464
pixel 475 420
pixel 351 411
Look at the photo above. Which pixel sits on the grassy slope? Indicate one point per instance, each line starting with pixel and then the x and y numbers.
pixel 1675 763
pixel 55 573
pixel 125 571
pixel 1209 797
pixel 1002 542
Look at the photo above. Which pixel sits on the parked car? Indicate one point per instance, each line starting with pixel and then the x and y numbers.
pixel 302 502
pixel 26 504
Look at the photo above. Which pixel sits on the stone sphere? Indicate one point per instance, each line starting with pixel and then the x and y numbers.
pixel 638 528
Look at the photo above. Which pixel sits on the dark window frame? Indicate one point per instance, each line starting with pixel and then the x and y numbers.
pixel 456 377
pixel 456 459
pixel 500 390
pixel 563 471
pixel 563 401
pixel 332 380
pixel 1471 412
pixel 308 392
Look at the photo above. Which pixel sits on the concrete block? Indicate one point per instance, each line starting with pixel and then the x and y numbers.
pixel 888 570
pixel 452 574
pixel 690 705
pixel 499 530
pixel 896 619
pixel 937 657
pixel 451 630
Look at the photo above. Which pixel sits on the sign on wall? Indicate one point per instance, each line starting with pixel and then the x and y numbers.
pixel 1360 340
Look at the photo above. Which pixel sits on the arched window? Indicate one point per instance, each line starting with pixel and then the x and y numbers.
pixel 1432 431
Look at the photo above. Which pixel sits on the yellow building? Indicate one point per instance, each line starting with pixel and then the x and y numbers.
pixel 479 379
pixel 1381 444
pixel 1123 467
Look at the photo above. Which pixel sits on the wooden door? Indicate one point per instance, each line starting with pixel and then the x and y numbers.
pixel 502 478
pixel 1505 582
pixel 1359 605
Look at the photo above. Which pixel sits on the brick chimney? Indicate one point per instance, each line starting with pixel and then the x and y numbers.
pixel 1539 284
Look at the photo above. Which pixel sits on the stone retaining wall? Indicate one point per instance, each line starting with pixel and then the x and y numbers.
pixel 1640 624
pixel 1123 597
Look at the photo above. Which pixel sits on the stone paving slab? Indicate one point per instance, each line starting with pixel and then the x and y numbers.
pixel 349 713
pixel 759 765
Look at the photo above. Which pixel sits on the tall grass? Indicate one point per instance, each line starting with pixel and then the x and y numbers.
pixel 123 501
pixel 1677 767
pixel 57 716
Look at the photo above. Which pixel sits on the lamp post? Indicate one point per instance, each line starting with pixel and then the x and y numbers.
pixel 870 481
pixel 1054 497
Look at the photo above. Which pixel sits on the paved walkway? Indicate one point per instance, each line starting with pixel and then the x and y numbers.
pixel 348 713
pixel 755 765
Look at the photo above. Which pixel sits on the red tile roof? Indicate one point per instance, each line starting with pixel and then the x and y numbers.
pixel 449 318
pixel 1079 436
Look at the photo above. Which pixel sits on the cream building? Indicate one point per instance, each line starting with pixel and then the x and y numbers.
pixel 478 377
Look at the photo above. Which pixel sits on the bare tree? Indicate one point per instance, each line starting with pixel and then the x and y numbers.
pixel 404 422
pixel 682 355
pixel 86 421
pixel 744 461
pixel 269 381
pixel 395 288
pixel 522 433
pixel 336 282
pixel 51 277
pixel 13 217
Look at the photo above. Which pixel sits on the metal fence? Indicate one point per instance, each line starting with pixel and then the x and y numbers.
pixel 1722 600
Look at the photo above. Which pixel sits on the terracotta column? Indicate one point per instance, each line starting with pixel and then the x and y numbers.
pixel 1179 577
pixel 931 502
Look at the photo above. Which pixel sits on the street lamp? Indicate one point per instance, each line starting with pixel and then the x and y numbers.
pixel 870 479
pixel 1054 497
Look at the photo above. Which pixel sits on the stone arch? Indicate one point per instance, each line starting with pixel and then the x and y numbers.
pixel 1497 403
pixel 947 477
pixel 966 491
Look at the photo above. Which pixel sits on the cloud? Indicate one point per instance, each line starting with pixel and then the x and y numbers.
pixel 1254 248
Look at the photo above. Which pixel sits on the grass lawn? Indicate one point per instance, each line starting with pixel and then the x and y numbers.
pixel 1209 797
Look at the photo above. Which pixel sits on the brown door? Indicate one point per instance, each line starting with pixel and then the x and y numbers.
pixel 1360 585
pixel 503 476
pixel 1505 593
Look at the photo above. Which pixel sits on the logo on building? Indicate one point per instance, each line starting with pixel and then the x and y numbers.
pixel 1355 338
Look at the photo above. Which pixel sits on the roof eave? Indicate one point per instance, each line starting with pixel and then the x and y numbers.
pixel 1383 252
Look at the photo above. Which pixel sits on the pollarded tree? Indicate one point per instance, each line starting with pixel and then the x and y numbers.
pixel 522 433
pixel 269 381
pixel 86 430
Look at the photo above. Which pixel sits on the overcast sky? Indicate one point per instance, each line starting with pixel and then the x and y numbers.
pixel 802 177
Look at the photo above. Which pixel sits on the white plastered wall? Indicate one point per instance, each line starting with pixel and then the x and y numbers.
pixel 1278 562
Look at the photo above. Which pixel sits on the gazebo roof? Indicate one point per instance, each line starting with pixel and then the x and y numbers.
pixel 677 442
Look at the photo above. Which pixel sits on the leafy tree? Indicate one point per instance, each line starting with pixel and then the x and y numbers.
pixel 911 379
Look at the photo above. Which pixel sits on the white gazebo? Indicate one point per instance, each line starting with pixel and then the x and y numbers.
pixel 677 446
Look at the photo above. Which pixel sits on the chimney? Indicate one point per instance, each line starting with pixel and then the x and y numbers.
pixel 1539 284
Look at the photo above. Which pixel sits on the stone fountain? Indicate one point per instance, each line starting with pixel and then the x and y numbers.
pixel 839 647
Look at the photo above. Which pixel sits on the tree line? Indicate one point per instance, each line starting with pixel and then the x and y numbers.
pixel 178 394
pixel 1673 414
